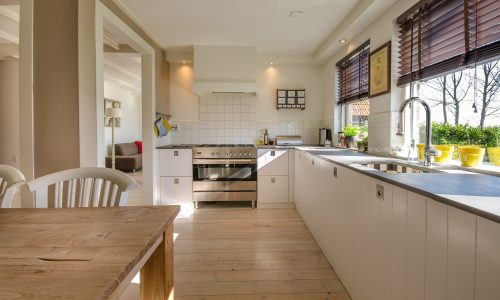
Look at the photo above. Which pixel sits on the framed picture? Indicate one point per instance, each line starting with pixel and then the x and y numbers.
pixel 379 70
pixel 301 94
pixel 112 103
pixel 281 100
pixel 301 100
pixel 291 94
pixel 291 100
pixel 281 94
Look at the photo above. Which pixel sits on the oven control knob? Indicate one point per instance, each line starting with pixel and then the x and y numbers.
pixel 213 154
pixel 218 154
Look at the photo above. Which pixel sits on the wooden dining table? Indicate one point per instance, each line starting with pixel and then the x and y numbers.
pixel 86 253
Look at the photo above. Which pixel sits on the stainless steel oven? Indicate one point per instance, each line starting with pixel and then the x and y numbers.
pixel 225 173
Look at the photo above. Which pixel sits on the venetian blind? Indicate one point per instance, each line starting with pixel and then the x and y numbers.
pixel 447 35
pixel 353 75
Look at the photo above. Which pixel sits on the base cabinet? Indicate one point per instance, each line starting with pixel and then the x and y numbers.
pixel 386 242
pixel 176 190
pixel 272 189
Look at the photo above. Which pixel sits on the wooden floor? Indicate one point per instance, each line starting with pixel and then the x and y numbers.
pixel 247 253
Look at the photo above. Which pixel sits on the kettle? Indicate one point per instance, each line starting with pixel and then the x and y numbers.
pixel 324 135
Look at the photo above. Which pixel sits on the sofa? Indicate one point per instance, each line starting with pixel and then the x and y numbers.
pixel 127 157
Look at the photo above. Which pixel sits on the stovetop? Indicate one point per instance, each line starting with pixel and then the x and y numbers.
pixel 232 151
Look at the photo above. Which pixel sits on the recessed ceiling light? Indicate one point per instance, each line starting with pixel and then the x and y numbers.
pixel 271 63
pixel 295 13
pixel 342 41
pixel 183 61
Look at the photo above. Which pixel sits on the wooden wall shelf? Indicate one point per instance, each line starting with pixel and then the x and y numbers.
pixel 291 99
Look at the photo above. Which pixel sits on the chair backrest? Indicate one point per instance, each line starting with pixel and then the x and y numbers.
pixel 10 179
pixel 83 187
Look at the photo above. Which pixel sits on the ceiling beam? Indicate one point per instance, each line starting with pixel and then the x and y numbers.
pixel 136 77
pixel 9 14
pixel 9 37
pixel 124 48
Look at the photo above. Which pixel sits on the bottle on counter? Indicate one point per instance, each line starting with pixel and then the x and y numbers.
pixel 266 138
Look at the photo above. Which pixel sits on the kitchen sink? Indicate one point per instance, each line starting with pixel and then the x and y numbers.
pixel 398 168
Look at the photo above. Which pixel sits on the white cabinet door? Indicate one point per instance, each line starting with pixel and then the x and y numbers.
pixel 487 260
pixel 415 246
pixel 176 190
pixel 461 254
pixel 272 189
pixel 436 251
pixel 273 162
pixel 298 179
pixel 176 162
pixel 399 239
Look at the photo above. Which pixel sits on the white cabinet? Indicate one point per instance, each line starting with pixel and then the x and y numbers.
pixel 176 190
pixel 176 162
pixel 487 285
pixel 436 250
pixel 461 255
pixel 176 176
pixel 272 162
pixel 386 242
pixel 272 189
pixel 273 177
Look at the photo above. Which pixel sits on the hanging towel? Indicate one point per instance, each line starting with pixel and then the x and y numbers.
pixel 162 131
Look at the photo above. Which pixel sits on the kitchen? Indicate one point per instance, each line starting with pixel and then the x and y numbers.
pixel 304 150
pixel 431 231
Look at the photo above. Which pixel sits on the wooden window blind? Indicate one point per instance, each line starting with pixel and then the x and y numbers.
pixel 353 75
pixel 447 35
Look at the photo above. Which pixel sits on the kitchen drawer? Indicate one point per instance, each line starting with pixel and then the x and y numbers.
pixel 273 162
pixel 176 162
pixel 272 189
pixel 176 190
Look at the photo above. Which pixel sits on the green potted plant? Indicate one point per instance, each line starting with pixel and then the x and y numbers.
pixel 363 144
pixel 351 135
pixel 492 135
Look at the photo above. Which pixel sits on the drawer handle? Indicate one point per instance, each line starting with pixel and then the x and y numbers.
pixel 176 153
pixel 335 172
pixel 313 162
pixel 176 180
pixel 380 192
pixel 273 180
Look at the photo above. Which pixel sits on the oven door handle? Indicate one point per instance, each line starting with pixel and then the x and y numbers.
pixel 224 161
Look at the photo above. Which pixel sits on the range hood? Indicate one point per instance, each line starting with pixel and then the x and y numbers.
pixel 225 69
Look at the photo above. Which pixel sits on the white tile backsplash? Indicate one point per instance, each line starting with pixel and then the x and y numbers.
pixel 233 120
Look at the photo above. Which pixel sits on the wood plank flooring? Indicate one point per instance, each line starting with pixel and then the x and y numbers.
pixel 245 254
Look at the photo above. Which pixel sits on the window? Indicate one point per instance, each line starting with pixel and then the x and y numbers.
pixel 353 87
pixel 353 75
pixel 440 36
pixel 452 49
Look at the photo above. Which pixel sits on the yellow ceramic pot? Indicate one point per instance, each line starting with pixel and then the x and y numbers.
pixel 421 151
pixel 446 153
pixel 471 156
pixel 494 155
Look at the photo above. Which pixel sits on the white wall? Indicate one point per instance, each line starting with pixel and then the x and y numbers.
pixel 9 112
pixel 383 109
pixel 241 118
pixel 130 129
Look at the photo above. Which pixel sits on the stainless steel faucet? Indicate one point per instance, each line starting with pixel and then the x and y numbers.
pixel 429 150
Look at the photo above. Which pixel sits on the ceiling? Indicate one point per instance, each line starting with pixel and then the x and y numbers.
pixel 123 70
pixel 9 31
pixel 266 24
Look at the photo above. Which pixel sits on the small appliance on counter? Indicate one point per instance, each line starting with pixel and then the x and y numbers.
pixel 289 140
pixel 325 135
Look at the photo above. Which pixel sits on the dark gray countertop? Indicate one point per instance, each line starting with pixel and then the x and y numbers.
pixel 478 194
pixel 180 146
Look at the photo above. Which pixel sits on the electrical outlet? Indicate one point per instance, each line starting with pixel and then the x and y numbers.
pixel 14 158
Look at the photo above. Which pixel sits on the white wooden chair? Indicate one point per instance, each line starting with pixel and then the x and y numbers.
pixel 83 187
pixel 10 179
